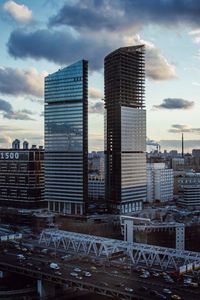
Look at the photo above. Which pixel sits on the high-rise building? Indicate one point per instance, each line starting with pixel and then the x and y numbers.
pixel 125 129
pixel 66 139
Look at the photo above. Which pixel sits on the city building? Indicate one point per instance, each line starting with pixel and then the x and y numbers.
pixel 178 163
pixel 22 177
pixel 196 153
pixel 96 163
pixel 189 188
pixel 96 188
pixel 159 182
pixel 66 139
pixel 125 129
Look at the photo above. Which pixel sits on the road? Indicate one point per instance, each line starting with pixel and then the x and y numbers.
pixel 111 278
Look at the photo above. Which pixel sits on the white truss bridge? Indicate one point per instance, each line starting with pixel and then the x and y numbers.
pixel 137 254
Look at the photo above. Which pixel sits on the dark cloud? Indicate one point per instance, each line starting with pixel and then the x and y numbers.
pixel 181 128
pixel 8 112
pixel 175 103
pixel 5 106
pixel 24 82
pixel 57 46
pixel 64 48
pixel 94 15
pixel 97 108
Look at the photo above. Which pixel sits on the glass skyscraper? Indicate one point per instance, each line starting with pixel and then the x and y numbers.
pixel 125 129
pixel 66 139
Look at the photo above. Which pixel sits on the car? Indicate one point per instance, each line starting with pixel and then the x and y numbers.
pixel 155 274
pixel 29 264
pixel 128 289
pixel 74 274
pixel 86 274
pixel 44 251
pixel 176 297
pixel 144 276
pixel 79 277
pixel 66 256
pixel 58 273
pixel 93 268
pixel 21 257
pixel 160 296
pixel 193 284
pixel 114 272
pixel 77 270
pixel 54 266
pixel 167 291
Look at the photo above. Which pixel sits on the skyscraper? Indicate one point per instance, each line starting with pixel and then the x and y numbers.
pixel 125 129
pixel 66 139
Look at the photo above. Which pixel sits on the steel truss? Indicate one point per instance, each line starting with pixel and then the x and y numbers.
pixel 151 256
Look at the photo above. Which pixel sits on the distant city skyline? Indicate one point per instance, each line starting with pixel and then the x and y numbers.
pixel 39 37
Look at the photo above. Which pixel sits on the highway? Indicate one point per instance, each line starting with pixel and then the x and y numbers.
pixel 111 281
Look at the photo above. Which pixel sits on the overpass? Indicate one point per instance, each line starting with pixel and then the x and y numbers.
pixel 137 254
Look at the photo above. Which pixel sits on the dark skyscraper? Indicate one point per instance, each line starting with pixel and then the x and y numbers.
pixel 66 139
pixel 125 129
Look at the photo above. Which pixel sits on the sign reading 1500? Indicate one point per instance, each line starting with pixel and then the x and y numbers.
pixel 9 155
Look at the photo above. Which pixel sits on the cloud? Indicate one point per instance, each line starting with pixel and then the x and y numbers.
pixel 4 141
pixel 157 67
pixel 63 47
pixel 94 93
pixel 95 15
pixel 97 108
pixel 57 46
pixel 195 83
pixel 175 103
pixel 8 112
pixel 21 82
pixel 20 13
pixel 183 128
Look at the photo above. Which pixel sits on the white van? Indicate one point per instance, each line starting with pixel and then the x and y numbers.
pixel 54 266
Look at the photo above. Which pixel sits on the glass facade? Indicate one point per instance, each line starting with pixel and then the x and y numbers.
pixel 66 149
pixel 125 129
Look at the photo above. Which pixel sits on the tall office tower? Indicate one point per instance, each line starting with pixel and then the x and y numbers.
pixel 66 139
pixel 125 129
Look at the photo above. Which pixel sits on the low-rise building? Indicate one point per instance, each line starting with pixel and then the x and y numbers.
pixel 189 187
pixel 22 177
pixel 159 182
pixel 96 188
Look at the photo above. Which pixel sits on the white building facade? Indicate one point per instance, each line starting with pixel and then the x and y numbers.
pixel 189 185
pixel 160 181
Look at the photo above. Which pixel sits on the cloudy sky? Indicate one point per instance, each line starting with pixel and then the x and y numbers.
pixel 40 36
